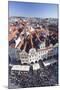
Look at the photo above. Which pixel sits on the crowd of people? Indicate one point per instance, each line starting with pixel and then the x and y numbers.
pixel 47 76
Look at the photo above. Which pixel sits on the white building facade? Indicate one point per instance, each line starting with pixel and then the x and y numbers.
pixel 24 57
pixel 34 55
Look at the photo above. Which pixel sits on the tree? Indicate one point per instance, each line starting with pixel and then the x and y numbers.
pixel 31 69
pixel 41 63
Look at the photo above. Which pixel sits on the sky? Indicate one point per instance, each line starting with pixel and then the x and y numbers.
pixel 26 9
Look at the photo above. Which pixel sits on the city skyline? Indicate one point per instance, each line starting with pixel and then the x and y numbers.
pixel 27 9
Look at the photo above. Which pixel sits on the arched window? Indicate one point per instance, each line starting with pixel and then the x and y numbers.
pixel 32 62
pixel 35 61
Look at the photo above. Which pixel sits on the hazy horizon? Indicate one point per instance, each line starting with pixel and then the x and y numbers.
pixel 28 9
